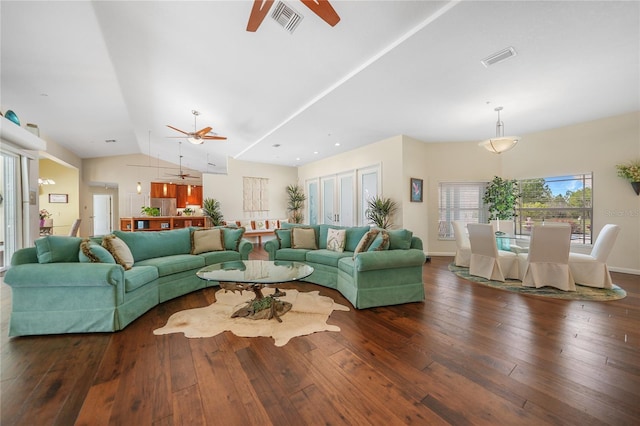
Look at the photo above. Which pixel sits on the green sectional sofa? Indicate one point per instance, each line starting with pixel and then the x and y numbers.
pixel 379 276
pixel 57 289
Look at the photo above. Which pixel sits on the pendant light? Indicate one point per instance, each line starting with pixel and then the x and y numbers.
pixel 500 143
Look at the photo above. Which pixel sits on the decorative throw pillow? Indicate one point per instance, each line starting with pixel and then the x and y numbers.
pixel 246 224
pixel 284 237
pixel 273 223
pixel 91 252
pixel 204 240
pixel 366 241
pixel 261 224
pixel 381 242
pixel 336 239
pixel 232 237
pixel 281 221
pixel 231 223
pixel 119 250
pixel 303 238
pixel 57 248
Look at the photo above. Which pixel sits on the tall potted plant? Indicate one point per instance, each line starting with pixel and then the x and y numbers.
pixel 211 209
pixel 500 197
pixel 296 202
pixel 379 211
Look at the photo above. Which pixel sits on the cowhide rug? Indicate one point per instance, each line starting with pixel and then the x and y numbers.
pixel 309 314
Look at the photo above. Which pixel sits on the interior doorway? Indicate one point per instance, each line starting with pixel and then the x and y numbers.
pixel 102 214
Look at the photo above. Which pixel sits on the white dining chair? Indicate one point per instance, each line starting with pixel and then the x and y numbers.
pixel 463 246
pixel 509 228
pixel 547 263
pixel 486 260
pixel 591 269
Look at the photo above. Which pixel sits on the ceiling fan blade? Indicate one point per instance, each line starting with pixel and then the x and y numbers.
pixel 258 12
pixel 324 10
pixel 214 138
pixel 178 130
pixel 202 132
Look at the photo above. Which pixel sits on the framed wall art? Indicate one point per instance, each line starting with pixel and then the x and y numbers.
pixel 416 190
pixel 58 198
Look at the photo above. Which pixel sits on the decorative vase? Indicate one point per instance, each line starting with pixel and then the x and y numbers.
pixel 636 187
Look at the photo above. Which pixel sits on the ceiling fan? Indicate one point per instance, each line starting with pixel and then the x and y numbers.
pixel 181 174
pixel 197 137
pixel 260 9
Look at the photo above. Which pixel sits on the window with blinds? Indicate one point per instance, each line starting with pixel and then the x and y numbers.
pixel 460 201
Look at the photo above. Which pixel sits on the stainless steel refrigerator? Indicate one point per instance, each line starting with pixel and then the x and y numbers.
pixel 167 206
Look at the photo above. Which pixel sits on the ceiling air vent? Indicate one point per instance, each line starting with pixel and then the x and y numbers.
pixel 286 16
pixel 500 56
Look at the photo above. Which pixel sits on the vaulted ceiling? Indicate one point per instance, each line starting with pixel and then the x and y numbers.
pixel 91 72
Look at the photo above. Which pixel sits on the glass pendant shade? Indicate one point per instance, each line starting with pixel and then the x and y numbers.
pixel 139 188
pixel 500 143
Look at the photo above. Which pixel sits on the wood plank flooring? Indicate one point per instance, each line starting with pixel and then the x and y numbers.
pixel 467 355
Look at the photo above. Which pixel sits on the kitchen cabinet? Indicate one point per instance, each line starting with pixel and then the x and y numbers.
pixel 189 195
pixel 163 190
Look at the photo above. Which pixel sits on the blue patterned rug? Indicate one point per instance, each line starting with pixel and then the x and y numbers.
pixel 581 293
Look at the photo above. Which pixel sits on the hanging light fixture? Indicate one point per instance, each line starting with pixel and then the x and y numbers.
pixel 139 188
pixel 193 140
pixel 500 143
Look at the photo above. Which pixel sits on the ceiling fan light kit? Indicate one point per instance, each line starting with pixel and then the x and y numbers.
pixel 500 143
pixel 197 137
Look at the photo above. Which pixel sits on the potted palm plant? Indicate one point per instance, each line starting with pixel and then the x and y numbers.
pixel 296 202
pixel 211 209
pixel 379 211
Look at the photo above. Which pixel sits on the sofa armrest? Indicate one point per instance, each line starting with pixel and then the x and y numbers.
pixel 244 247
pixel 388 259
pixel 271 247
pixel 67 275
pixel 24 256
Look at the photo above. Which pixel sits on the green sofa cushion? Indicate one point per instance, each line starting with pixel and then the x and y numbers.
pixel 284 238
pixel 232 237
pixel 138 276
pixel 212 257
pixel 148 245
pixel 169 265
pixel 57 248
pixel 298 255
pixel 400 239
pixel 354 235
pixel 327 257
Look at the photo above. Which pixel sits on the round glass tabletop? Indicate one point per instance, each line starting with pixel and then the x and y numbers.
pixel 256 271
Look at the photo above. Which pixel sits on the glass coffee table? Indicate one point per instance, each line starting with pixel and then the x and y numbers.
pixel 254 275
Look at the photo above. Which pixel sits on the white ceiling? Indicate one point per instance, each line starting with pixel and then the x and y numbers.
pixel 86 72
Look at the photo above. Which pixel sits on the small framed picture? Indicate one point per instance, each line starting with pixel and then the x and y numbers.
pixel 416 190
pixel 58 198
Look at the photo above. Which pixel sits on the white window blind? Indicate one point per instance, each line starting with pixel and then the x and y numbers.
pixel 460 201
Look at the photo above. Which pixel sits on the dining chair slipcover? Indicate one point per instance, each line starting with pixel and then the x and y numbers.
pixel 74 228
pixel 547 263
pixel 463 246
pixel 486 260
pixel 591 269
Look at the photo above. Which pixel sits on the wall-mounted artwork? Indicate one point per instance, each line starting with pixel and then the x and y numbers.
pixel 416 190
pixel 58 198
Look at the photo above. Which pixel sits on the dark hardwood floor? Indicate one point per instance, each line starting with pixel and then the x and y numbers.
pixel 467 355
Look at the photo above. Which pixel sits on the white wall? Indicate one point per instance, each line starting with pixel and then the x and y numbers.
pixel 228 188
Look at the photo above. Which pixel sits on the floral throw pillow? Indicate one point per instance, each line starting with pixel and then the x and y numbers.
pixel 336 239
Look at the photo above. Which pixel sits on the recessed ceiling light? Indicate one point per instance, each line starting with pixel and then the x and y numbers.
pixel 110 140
pixel 315 152
pixel 276 145
pixel 297 158
pixel 337 144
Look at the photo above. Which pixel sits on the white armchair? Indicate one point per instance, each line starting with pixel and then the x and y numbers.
pixel 463 246
pixel 486 260
pixel 591 269
pixel 547 263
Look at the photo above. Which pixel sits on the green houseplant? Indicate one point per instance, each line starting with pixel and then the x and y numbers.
pixel 211 209
pixel 631 172
pixel 296 202
pixel 500 197
pixel 150 211
pixel 379 211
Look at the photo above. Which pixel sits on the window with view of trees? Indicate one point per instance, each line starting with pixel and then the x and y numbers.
pixel 564 199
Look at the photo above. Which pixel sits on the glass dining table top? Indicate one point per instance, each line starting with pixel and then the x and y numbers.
pixel 256 271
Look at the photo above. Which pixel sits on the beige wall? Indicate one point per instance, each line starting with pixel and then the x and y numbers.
pixel 228 188
pixel 66 182
pixel 596 146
